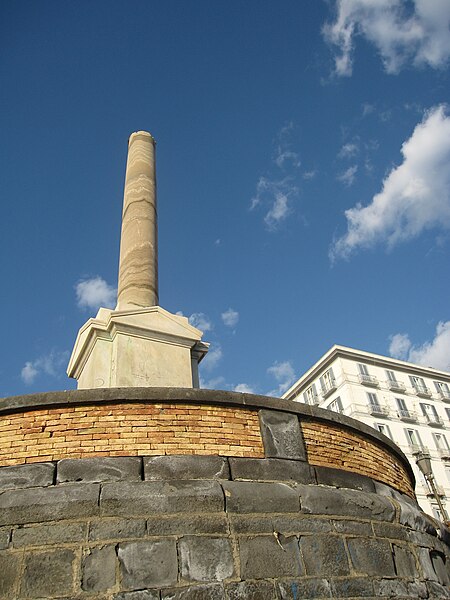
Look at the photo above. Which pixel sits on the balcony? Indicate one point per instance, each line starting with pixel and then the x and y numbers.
pixel 439 490
pixel 444 453
pixel 368 380
pixel 396 386
pixel 416 449
pixel 444 395
pixel 378 411
pixel 407 415
pixel 434 420
pixel 423 391
pixel 329 389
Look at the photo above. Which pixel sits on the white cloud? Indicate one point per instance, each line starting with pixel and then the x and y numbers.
pixel 349 150
pixel 212 384
pixel 348 176
pixel 278 212
pixel 284 374
pixel 275 191
pixel 415 195
pixel 367 109
pixel 244 388
pixel 399 346
pixel 94 293
pixel 435 353
pixel 401 36
pixel 230 317
pixel 213 358
pixel 310 174
pixel 201 321
pixel 50 364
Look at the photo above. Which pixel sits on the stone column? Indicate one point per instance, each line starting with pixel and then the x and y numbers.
pixel 138 264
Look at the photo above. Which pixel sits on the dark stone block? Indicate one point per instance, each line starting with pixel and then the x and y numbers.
pixel 128 499
pixel 25 476
pixel 185 467
pixel 205 558
pixel 324 555
pixel 344 479
pixel 405 563
pixel 371 557
pixel 353 587
pixel 251 590
pixel 304 588
pixel 99 569
pixel 117 529
pixel 389 530
pixel 55 533
pixel 282 436
pixel 396 588
pixel 440 567
pixel 426 565
pixel 411 516
pixel 246 497
pixel 93 470
pixel 48 573
pixel 436 591
pixel 5 537
pixel 140 595
pixel 267 557
pixel 271 469
pixel 287 525
pixel 353 527
pixel 9 578
pixel 191 524
pixel 342 502
pixel 149 564
pixel 35 505
pixel 213 591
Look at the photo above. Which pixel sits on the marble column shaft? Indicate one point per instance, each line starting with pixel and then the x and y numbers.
pixel 138 264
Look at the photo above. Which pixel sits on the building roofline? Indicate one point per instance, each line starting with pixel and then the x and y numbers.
pixel 345 351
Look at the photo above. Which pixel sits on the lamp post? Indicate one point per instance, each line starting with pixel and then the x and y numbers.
pixel 423 461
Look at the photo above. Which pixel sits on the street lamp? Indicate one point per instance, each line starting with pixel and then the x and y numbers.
pixel 423 461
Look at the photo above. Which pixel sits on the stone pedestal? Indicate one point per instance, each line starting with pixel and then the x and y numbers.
pixel 137 348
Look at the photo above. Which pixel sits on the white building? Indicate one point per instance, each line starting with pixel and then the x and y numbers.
pixel 408 403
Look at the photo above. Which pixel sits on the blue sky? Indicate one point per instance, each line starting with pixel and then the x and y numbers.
pixel 303 161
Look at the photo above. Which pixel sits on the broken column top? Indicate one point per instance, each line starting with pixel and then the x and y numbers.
pixel 138 263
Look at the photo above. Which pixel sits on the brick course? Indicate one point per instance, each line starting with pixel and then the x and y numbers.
pixel 131 429
pixel 329 445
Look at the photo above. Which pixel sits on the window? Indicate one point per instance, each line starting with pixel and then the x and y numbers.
pixel 442 389
pixel 373 400
pixel 384 429
pixel 441 441
pixel 362 369
pixel 430 413
pixel 414 440
pixel 327 382
pixel 310 395
pixel 403 411
pixel 391 376
pixel 336 406
pixel 419 385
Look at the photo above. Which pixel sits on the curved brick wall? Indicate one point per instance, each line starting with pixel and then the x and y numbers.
pixel 213 496
pixel 154 421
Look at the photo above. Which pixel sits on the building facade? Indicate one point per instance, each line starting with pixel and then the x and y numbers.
pixel 408 403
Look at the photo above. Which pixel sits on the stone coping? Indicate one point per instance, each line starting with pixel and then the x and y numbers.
pixel 196 396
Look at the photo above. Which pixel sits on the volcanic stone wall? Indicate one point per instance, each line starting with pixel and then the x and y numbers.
pixel 301 512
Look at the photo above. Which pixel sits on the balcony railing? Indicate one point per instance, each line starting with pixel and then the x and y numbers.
pixel 416 449
pixel 329 389
pixel 407 415
pixel 444 395
pixel 444 453
pixel 396 386
pixel 368 379
pixel 379 411
pixel 423 391
pixel 434 420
